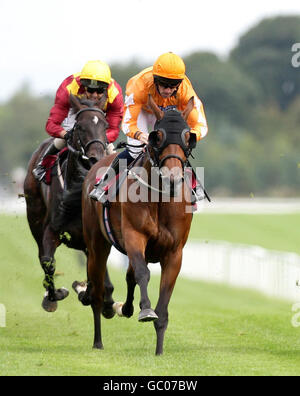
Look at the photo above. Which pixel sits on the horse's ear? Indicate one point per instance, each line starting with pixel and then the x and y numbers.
pixel 75 103
pixel 192 141
pixel 188 109
pixel 156 110
pixel 102 102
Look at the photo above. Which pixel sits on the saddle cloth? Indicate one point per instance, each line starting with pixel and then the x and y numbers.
pixel 50 162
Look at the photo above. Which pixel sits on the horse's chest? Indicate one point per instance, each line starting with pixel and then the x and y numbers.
pixel 163 242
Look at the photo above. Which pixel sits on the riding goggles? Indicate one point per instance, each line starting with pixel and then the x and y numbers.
pixel 98 90
pixel 93 83
pixel 167 82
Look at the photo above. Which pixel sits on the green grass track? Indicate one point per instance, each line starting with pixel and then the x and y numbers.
pixel 213 329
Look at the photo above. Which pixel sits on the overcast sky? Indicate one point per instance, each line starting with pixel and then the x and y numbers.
pixel 43 42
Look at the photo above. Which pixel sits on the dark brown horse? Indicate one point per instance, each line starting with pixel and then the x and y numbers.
pixel 149 232
pixel 87 145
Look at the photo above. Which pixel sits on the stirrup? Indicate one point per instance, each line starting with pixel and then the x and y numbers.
pixel 196 195
pixel 39 172
pixel 97 194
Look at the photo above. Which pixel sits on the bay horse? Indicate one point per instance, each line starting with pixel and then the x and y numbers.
pixel 87 145
pixel 149 232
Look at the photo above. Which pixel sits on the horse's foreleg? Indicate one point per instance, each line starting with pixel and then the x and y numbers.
pixel 108 311
pixel 141 273
pixel 127 309
pixel 170 269
pixel 96 277
pixel 98 250
pixel 52 295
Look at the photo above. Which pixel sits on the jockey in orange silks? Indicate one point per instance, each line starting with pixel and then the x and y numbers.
pixel 170 88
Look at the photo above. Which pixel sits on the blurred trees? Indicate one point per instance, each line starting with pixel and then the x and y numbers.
pixel 22 129
pixel 252 102
pixel 264 53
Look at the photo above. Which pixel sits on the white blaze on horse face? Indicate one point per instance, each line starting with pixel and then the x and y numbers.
pixel 95 120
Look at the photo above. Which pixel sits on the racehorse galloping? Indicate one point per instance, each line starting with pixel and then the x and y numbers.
pixel 147 231
pixel 87 145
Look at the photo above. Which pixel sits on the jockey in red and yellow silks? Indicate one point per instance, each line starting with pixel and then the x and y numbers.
pixel 61 108
pixel 91 83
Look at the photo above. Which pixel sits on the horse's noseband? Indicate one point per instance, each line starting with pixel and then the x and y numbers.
pixel 89 109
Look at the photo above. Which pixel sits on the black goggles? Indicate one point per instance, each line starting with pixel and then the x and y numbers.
pixel 168 85
pixel 167 82
pixel 99 90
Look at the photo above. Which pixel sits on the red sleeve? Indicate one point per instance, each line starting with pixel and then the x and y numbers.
pixel 60 109
pixel 114 114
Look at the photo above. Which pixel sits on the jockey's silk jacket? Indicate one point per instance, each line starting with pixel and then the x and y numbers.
pixel 60 110
pixel 137 90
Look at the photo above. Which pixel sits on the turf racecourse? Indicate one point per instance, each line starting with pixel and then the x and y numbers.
pixel 213 330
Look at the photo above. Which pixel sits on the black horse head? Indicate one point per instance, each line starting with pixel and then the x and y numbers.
pixel 171 143
pixel 88 138
pixel 172 129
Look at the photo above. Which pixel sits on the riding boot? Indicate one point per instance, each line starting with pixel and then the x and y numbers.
pixel 39 171
pixel 198 191
pixel 100 188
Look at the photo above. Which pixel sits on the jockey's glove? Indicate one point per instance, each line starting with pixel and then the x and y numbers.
pixel 68 135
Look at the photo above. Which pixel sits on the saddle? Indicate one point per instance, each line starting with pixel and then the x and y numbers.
pixel 50 163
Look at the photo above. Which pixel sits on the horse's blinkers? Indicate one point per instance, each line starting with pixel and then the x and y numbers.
pixel 177 129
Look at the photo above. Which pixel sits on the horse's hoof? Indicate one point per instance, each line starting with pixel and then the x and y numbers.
pixel 127 310
pixel 49 306
pixel 117 307
pixel 147 315
pixel 98 345
pixel 108 312
pixel 79 287
pixel 61 294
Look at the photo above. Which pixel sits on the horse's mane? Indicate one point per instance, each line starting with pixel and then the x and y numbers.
pixel 88 102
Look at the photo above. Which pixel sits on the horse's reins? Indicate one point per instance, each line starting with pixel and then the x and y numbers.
pixel 157 164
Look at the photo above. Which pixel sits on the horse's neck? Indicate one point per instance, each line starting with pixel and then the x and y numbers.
pixel 75 172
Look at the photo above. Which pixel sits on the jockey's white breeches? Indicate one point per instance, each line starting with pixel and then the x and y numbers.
pixel 145 124
pixel 68 124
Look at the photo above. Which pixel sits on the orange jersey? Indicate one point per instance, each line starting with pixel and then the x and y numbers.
pixel 137 90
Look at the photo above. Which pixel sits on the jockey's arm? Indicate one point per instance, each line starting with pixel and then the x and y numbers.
pixel 58 113
pixel 142 137
pixel 197 120
pixel 114 116
pixel 132 110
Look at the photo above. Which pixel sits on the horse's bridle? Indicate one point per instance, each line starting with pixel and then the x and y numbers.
pixel 84 148
pixel 157 162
